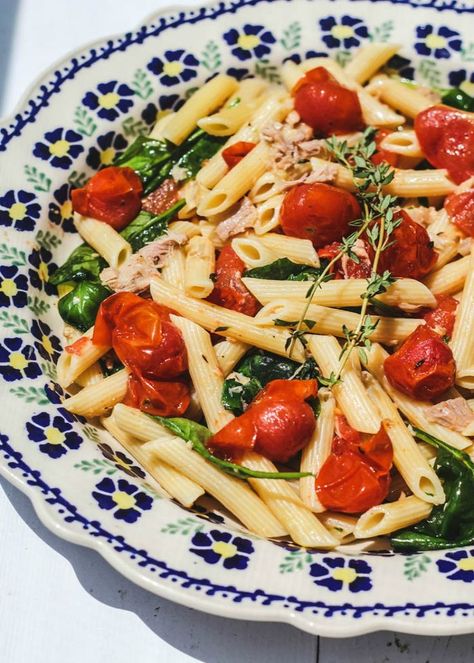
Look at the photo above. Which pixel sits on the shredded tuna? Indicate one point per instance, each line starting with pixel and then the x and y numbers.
pixel 360 251
pixel 136 273
pixel 193 192
pixel 455 414
pixel 425 216
pixel 244 217
pixel 285 140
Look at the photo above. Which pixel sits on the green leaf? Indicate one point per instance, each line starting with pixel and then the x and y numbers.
pixel 39 180
pixel 12 255
pixel 382 32
pixel 47 240
pixel 415 565
pixel 132 128
pixel 31 394
pixel 183 526
pixel 141 84
pixel 268 71
pixel 147 227
pixel 84 122
pixel 83 263
pixel 38 306
pixel 13 322
pixel 291 36
pixel 429 72
pixel 79 307
pixel 210 56
pixel 284 269
pixel 198 435
pixel 457 98
pixel 146 156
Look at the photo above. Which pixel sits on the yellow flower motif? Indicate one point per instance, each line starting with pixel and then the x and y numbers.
pixel 123 500
pixel 107 156
pixel 342 32
pixel 54 436
pixel 173 68
pixel 8 288
pixel 223 549
pixel 248 42
pixel 59 148
pixel 435 41
pixel 466 564
pixel 47 345
pixel 109 100
pixel 66 209
pixel 344 575
pixel 17 211
pixel 18 361
pixel 43 271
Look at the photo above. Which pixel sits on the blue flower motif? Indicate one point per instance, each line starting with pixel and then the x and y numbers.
pixel 217 546
pixel 166 102
pixel 17 360
pixel 60 211
pixel 40 260
pixel 110 100
pixel 174 67
pixel 345 33
pixel 56 394
pixel 13 287
pixel 54 434
pixel 252 41
pixel 60 147
pixel 239 73
pixel 298 58
pixel 47 344
pixel 458 565
pixel 125 499
pixel 121 461
pixel 110 146
pixel 19 209
pixel 460 76
pixel 437 42
pixel 335 572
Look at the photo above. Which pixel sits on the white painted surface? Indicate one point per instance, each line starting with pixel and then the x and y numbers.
pixel 60 603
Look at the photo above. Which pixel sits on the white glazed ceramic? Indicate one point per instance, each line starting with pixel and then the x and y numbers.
pixel 73 120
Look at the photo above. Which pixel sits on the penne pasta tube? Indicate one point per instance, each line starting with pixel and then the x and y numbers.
pixel 340 525
pixel 228 353
pixel 78 357
pixel 298 250
pixel 413 410
pixel 234 494
pixel 317 450
pixel 237 182
pixel 390 517
pixel 160 124
pixel 290 74
pixel 446 238
pixel 368 60
pixel 350 393
pixel 268 215
pixel 342 293
pixel 238 109
pixel 303 526
pixel 184 228
pixel 389 331
pixel 252 251
pixel 405 98
pixel 461 343
pixel 222 321
pixel 205 372
pixel 104 239
pixel 97 399
pixel 175 484
pixel 174 269
pixel 407 457
pixel 265 187
pixel 199 265
pixel 449 279
pixel 404 143
pixel 205 100
pixel 91 375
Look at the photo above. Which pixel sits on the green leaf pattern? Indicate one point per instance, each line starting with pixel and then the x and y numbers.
pixel 296 560
pixel 211 57
pixel 183 526
pixel 415 565
pixel 141 84
pixel 291 36
pixel 84 122
pixel 40 181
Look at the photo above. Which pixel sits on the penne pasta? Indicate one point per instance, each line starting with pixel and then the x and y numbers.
pixel 463 333
pixel 199 265
pixel 98 399
pixel 252 251
pixel 268 215
pixel 228 353
pixel 368 60
pixel 405 98
pixel 388 518
pixel 449 279
pixel 78 357
pixel 105 240
pixel 298 250
pixel 174 269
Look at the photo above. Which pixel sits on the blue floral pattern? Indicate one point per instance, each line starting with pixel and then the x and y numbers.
pixel 346 32
pixel 110 100
pixel 174 67
pixel 60 147
pixel 166 102
pixel 18 360
pixel 462 77
pixel 46 343
pixel 61 212
pixel 251 41
pixel 458 565
pixel 109 147
pixel 13 287
pixel 298 58
pixel 437 42
pixel 41 269
pixel 123 498
pixel 19 209
pixel 121 461
pixel 54 434
pixel 213 547
pixel 335 573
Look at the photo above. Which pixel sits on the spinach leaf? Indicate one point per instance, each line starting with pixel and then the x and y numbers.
pixel 146 227
pixel 450 524
pixel 457 98
pixel 79 307
pixel 256 369
pixel 198 436
pixel 146 156
pixel 83 264
pixel 284 269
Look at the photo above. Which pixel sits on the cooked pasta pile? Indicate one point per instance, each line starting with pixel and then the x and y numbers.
pixel 274 304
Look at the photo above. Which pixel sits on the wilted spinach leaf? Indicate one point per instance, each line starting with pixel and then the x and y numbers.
pixel 79 307
pixel 146 156
pixel 84 263
pixel 147 227
pixel 457 98
pixel 284 269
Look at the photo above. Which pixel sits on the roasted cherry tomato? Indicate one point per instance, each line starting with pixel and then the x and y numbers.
pixel 324 104
pixel 236 152
pixel 345 267
pixel 423 367
pixel 441 319
pixel 229 291
pixel 162 198
pixel 277 424
pixel 460 209
pixel 319 212
pixel 446 136
pixel 381 154
pixel 356 475
pixel 411 254
pixel 144 339
pixel 112 195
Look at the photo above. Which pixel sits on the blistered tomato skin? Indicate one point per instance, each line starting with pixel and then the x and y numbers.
pixel 324 104
pixel 229 290
pixel 441 319
pixel 234 154
pixel 460 209
pixel 319 212
pixel 446 136
pixel 423 367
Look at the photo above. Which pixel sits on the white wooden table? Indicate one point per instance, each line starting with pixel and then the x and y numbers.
pixel 60 603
